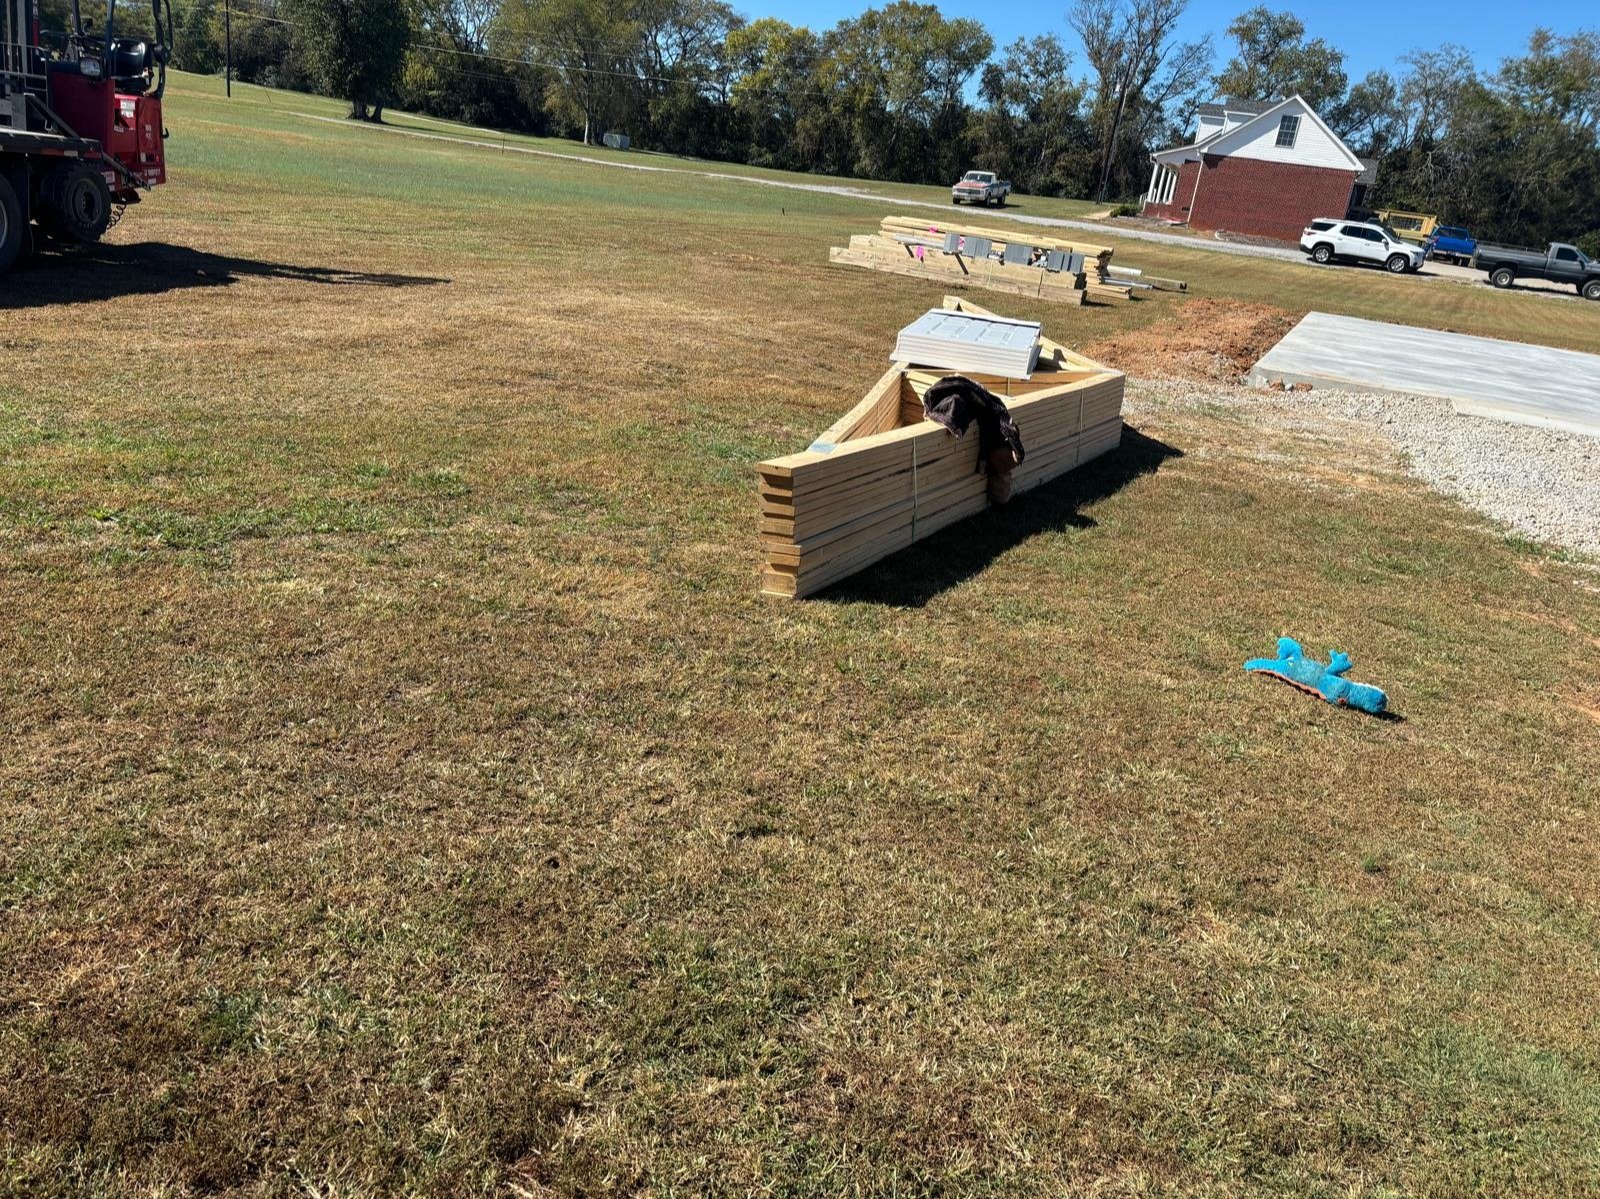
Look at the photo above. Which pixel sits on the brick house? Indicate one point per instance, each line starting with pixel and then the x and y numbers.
pixel 1261 167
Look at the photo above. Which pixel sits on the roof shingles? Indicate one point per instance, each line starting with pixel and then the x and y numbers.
pixel 1249 108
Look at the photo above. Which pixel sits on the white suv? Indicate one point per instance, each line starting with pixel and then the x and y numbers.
pixel 1366 241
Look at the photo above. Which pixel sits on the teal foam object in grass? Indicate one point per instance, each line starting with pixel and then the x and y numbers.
pixel 1327 680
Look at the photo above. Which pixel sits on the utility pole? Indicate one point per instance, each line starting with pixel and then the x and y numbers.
pixel 227 38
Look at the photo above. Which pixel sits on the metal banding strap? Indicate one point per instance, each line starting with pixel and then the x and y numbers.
pixel 914 495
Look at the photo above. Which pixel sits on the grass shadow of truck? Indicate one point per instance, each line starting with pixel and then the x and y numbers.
pixel 107 272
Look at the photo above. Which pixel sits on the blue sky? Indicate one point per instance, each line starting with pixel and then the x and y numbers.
pixel 1489 29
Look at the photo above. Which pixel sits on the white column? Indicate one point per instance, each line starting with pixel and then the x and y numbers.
pixel 1155 170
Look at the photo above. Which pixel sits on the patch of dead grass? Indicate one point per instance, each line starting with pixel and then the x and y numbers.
pixel 406 792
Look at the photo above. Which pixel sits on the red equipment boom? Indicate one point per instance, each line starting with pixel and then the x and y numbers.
pixel 80 126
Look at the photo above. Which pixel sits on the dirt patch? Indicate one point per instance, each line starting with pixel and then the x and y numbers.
pixel 1156 225
pixel 1210 340
pixel 1253 239
pixel 1151 223
pixel 1586 705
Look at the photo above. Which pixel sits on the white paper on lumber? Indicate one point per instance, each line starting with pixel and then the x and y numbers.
pixel 964 341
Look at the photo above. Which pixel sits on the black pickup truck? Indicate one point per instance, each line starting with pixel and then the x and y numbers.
pixel 1561 263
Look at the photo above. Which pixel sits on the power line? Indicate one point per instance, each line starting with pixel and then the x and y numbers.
pixel 622 47
pixel 552 66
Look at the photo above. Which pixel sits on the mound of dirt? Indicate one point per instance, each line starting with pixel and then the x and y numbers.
pixel 1209 340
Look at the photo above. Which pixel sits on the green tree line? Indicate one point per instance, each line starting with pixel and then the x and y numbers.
pixel 902 92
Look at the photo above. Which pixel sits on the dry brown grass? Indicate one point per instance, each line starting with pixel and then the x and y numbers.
pixel 407 792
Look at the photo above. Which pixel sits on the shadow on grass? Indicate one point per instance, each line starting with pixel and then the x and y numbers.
pixel 151 268
pixel 912 577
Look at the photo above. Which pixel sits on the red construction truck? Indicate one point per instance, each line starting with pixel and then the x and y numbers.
pixel 80 125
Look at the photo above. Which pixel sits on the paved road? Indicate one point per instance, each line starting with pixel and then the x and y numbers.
pixel 1480 376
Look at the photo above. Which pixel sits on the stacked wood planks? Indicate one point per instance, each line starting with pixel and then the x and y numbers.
pixel 894 248
pixel 883 477
pixel 1000 237
pixel 914 246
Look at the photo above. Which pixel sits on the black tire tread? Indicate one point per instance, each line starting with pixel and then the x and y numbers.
pixel 55 213
pixel 12 240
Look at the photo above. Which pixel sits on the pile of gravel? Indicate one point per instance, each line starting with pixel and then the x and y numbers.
pixel 1543 484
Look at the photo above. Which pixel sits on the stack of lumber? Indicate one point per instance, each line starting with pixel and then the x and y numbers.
pixel 895 249
pixel 961 341
pixel 883 477
pixel 914 246
pixel 1092 251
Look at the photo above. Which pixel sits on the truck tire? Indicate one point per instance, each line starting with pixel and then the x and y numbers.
pixel 77 203
pixel 1502 276
pixel 1591 290
pixel 1322 253
pixel 11 230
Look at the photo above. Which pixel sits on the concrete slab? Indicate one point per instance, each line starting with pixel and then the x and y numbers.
pixel 1480 376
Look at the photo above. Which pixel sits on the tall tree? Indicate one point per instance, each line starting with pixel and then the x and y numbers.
pixel 684 73
pixel 592 46
pixel 1031 128
pixel 774 68
pixel 451 71
pixel 685 39
pixel 354 48
pixel 1274 60
pixel 1515 155
pixel 1427 166
pixel 1139 70
pixel 195 45
pixel 1367 118
pixel 1559 79
pixel 1430 91
pixel 1550 98
pixel 901 71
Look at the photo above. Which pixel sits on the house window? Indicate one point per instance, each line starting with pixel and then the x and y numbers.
pixel 1288 130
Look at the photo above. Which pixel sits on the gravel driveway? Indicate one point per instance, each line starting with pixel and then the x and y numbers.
pixel 1544 485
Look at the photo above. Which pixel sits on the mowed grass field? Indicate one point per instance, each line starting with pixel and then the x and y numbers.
pixel 1348 289
pixel 405 791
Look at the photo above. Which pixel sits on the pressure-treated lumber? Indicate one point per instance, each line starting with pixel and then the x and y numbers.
pixel 950 270
pixel 904 224
pixel 1098 256
pixel 882 477
pixel 915 247
pixel 1108 292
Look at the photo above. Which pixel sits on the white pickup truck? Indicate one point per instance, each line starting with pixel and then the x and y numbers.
pixel 980 187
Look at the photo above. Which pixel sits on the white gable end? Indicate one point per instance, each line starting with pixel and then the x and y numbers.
pixel 1314 143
